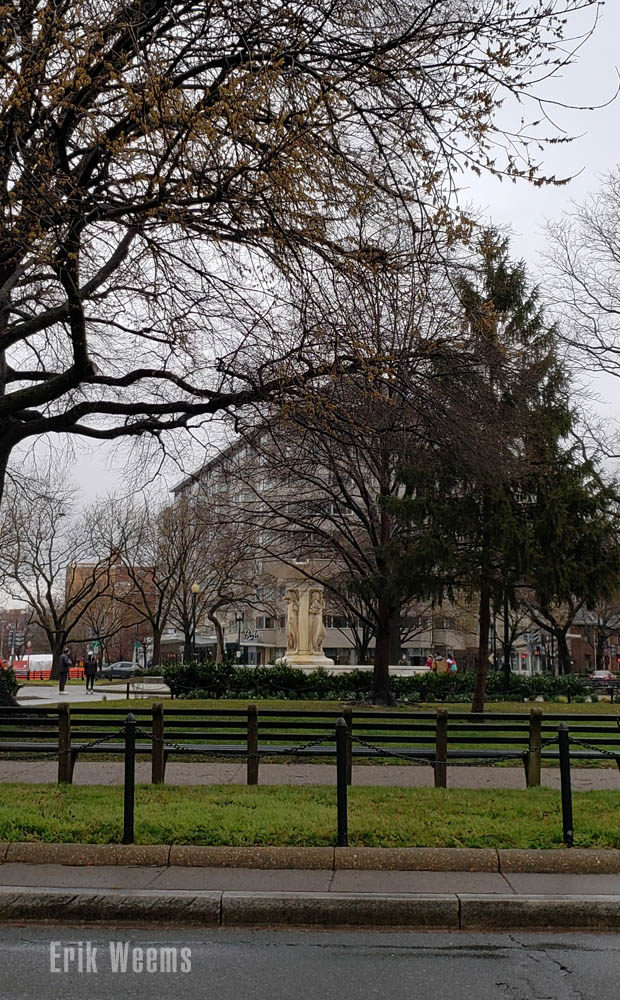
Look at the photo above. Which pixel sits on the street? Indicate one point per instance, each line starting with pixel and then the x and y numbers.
pixel 304 965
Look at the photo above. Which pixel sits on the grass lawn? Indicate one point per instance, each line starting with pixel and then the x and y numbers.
pixel 284 815
pixel 551 707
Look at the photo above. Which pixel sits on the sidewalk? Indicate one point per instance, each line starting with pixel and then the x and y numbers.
pixel 405 776
pixel 31 695
pixel 254 897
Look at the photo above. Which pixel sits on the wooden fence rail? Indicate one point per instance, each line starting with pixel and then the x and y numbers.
pixel 439 738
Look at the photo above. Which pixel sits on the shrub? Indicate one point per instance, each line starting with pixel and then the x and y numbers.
pixel 8 686
pixel 225 680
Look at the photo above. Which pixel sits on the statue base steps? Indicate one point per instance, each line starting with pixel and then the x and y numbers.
pixel 308 661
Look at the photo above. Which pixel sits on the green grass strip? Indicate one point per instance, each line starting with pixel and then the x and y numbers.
pixel 306 815
pixel 552 707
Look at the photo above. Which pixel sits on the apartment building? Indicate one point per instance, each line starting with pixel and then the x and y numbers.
pixel 285 523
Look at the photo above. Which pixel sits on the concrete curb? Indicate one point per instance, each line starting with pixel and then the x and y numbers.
pixel 88 854
pixel 447 911
pixel 321 909
pixel 498 912
pixel 416 859
pixel 101 906
pixel 576 861
pixel 304 858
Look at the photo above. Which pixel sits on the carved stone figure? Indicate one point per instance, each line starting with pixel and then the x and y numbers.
pixel 292 620
pixel 316 629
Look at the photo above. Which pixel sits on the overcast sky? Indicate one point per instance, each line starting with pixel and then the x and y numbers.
pixel 591 81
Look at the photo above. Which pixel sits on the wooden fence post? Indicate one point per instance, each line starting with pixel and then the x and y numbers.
pixel 441 749
pixel 347 715
pixel 252 762
pixel 565 786
pixel 533 757
pixel 158 754
pixel 66 759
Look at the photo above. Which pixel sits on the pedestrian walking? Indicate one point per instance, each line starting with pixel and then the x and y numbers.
pixel 65 666
pixel 90 672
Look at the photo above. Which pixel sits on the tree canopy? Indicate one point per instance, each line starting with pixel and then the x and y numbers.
pixel 176 178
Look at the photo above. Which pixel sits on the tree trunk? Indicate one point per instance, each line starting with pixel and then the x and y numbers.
pixel 564 661
pixel 358 645
pixel 219 637
pixel 395 646
pixel 381 673
pixel 5 453
pixel 363 646
pixel 507 643
pixel 57 648
pixel 156 646
pixel 188 653
pixel 482 665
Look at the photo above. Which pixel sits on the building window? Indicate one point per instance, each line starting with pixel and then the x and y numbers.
pixel 336 621
pixel 444 623
pixel 340 656
pixel 263 621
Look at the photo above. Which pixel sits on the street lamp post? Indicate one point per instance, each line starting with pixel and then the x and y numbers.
pixel 195 589
pixel 12 646
pixel 239 620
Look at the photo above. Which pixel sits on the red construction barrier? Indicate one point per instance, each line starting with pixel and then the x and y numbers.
pixel 41 674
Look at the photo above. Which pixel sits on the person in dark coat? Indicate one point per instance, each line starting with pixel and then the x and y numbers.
pixel 90 672
pixel 65 665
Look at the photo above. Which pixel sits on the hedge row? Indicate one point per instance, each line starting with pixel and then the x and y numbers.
pixel 224 680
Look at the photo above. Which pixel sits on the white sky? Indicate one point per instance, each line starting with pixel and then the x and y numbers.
pixel 591 81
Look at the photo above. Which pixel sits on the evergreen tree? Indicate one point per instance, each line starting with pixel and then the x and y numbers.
pixel 468 512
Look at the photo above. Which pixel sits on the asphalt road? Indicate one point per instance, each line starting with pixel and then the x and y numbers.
pixel 286 965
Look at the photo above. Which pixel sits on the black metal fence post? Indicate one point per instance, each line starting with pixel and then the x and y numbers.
pixel 252 762
pixel 341 780
pixel 347 715
pixel 567 798
pixel 441 749
pixel 130 779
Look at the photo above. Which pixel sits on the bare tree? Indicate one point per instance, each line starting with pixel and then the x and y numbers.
pixel 584 264
pixel 48 561
pixel 104 620
pixel 556 619
pixel 144 552
pixel 599 624
pixel 176 178
pixel 215 569
pixel 177 564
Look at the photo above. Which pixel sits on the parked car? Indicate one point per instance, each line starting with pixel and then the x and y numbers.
pixel 121 669
pixel 602 676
